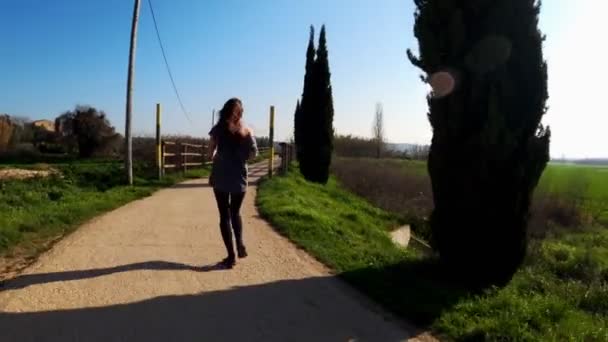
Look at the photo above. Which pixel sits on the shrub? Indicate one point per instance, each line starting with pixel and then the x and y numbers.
pixel 553 213
pixel 89 130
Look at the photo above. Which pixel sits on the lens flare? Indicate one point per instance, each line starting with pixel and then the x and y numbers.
pixel 442 83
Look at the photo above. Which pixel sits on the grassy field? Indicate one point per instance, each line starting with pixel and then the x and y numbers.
pixel 592 179
pixel 586 184
pixel 559 295
pixel 567 195
pixel 34 211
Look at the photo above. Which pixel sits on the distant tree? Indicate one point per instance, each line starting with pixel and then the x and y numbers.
pixel 484 62
pixel 64 130
pixel 23 131
pixel 378 130
pixel 354 147
pixel 87 129
pixel 262 141
pixel 6 132
pixel 20 120
pixel 419 152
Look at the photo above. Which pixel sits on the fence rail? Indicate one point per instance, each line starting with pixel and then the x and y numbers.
pixel 182 156
pixel 179 155
pixel 186 154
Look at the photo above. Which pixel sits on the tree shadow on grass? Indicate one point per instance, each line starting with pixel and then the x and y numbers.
pixel 418 290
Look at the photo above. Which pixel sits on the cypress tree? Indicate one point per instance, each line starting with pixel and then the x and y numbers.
pixel 485 63
pixel 323 115
pixel 303 131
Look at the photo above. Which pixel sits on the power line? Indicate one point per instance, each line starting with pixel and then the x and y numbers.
pixel 162 49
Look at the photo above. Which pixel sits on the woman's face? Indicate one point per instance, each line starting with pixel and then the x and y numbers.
pixel 237 113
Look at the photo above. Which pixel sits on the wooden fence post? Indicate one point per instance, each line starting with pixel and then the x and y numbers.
pixel 162 159
pixel 159 153
pixel 283 155
pixel 185 158
pixel 271 139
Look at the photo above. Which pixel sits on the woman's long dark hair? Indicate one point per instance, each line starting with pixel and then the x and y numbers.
pixel 227 111
pixel 224 115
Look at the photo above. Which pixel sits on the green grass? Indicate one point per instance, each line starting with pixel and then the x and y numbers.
pixel 587 184
pixel 592 179
pixel 260 157
pixel 36 210
pixel 559 295
pixel 315 216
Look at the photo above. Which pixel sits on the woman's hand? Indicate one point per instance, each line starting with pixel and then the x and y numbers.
pixel 245 131
pixel 234 126
pixel 239 129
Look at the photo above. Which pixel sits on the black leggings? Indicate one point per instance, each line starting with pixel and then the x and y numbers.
pixel 229 205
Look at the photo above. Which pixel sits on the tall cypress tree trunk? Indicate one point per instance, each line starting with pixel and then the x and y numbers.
pixel 484 61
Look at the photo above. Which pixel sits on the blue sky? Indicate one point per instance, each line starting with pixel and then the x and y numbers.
pixel 56 54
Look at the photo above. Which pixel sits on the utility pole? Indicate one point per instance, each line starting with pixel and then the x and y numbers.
pixel 128 137
pixel 213 118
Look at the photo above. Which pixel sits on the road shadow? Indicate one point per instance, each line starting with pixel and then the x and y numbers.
pixel 310 309
pixel 26 280
pixel 419 289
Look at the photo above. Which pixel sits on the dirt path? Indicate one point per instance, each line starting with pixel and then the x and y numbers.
pixel 145 272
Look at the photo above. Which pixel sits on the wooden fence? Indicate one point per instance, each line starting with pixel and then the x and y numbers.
pixel 185 154
pixel 181 155
pixel 287 154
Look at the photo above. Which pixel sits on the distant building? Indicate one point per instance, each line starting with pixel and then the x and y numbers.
pixel 46 125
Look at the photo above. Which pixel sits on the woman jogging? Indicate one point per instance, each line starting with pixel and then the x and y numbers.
pixel 231 145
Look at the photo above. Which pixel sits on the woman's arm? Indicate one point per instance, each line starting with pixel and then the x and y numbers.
pixel 253 151
pixel 212 146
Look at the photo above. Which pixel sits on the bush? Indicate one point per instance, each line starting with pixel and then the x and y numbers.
pixel 88 130
pixel 552 213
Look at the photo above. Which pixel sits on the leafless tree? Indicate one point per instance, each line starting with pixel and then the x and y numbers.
pixel 378 130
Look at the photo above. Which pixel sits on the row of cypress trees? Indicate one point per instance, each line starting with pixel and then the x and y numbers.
pixel 314 115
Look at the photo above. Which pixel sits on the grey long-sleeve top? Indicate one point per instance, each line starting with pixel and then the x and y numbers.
pixel 229 171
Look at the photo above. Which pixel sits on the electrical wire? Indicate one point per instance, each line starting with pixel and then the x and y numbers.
pixel 162 49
